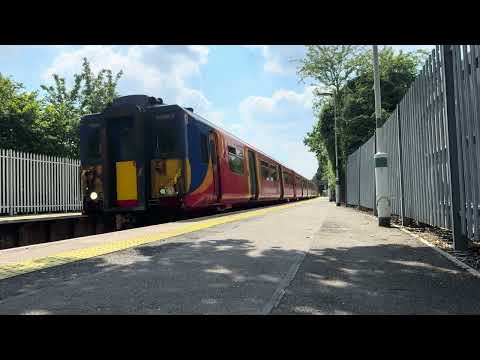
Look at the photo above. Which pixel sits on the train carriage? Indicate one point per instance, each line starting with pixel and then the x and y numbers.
pixel 288 184
pixel 141 155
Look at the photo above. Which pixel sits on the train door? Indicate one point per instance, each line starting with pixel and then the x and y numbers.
pixel 252 169
pixel 282 184
pixel 297 190
pixel 215 167
pixel 124 162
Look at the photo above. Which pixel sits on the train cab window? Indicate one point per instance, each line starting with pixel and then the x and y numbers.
pixel 90 134
pixel 94 143
pixel 235 160
pixel 125 149
pixel 203 148
pixel 167 136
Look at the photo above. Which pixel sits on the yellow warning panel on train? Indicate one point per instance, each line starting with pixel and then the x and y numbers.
pixel 126 180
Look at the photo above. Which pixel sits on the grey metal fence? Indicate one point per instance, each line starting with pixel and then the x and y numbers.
pixel 367 174
pixel 467 112
pixel 435 128
pixel 353 178
pixel 390 143
pixel 34 183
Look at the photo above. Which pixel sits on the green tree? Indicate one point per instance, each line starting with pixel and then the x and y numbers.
pixel 19 112
pixel 63 108
pixel 331 67
pixel 356 109
pixel 321 141
pixel 49 125
pixel 397 73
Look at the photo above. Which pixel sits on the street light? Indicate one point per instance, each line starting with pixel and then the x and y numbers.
pixel 382 191
pixel 337 179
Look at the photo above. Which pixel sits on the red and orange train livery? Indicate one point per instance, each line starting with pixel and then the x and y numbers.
pixel 140 155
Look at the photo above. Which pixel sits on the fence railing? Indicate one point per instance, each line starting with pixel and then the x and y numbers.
pixel 34 183
pixel 433 146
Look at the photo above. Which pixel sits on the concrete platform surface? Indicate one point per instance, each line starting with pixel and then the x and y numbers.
pixel 309 258
pixel 356 267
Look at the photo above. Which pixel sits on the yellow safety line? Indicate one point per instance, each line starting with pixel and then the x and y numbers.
pixel 11 270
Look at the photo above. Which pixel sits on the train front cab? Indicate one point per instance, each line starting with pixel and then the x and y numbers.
pixel 132 157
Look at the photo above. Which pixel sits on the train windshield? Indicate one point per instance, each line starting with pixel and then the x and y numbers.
pixel 122 138
pixel 90 140
pixel 168 135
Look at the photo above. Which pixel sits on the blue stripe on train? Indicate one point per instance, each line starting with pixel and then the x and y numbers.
pixel 198 168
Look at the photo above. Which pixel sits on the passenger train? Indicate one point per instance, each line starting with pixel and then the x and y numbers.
pixel 141 157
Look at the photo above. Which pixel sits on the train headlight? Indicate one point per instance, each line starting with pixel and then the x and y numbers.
pixel 93 195
pixel 168 190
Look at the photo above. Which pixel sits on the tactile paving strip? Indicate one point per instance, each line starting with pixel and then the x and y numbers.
pixel 11 270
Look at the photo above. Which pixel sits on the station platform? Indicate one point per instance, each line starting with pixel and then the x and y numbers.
pixel 26 230
pixel 306 257
pixel 39 217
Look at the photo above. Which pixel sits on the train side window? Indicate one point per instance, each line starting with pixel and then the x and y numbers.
pixel 268 171
pixel 203 148
pixel 265 170
pixel 235 160
pixel 273 173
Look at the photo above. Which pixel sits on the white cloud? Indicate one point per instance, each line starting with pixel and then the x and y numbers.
pixel 279 58
pixel 281 100
pixel 156 70
pixel 277 126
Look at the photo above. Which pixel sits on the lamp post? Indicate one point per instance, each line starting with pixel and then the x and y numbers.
pixel 382 191
pixel 337 178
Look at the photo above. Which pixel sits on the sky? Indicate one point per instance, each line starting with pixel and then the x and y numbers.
pixel 250 90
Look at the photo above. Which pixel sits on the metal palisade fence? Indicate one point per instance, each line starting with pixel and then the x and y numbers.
pixel 432 141
pixel 34 183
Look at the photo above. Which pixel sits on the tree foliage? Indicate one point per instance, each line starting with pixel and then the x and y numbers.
pixel 90 93
pixel 356 105
pixel 330 65
pixel 19 113
pixel 50 125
